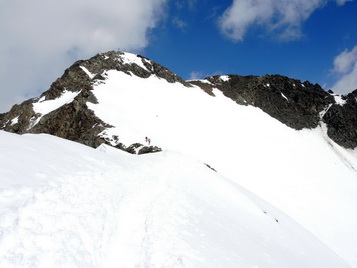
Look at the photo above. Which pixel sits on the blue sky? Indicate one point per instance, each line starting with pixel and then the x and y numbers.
pixel 199 47
pixel 313 40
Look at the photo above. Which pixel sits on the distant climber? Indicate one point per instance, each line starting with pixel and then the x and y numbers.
pixel 146 139
pixel 149 141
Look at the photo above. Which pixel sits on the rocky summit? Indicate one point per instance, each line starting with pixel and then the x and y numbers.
pixel 64 109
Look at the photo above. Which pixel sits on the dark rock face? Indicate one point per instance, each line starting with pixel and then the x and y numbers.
pixel 138 148
pixel 24 114
pixel 74 121
pixel 293 103
pixel 149 149
pixel 204 86
pixel 341 121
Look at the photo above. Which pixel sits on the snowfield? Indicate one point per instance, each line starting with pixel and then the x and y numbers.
pixel 303 173
pixel 67 205
pixel 279 198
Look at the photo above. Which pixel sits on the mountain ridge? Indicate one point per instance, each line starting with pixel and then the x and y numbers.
pixel 296 104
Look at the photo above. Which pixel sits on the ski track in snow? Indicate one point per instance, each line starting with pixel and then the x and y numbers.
pixel 107 208
pixel 137 231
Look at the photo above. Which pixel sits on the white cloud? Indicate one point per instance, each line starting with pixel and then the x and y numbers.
pixel 192 4
pixel 343 63
pixel 281 17
pixel 342 2
pixel 40 38
pixel 195 75
pixel 242 14
pixel 347 83
pixel 345 66
pixel 182 25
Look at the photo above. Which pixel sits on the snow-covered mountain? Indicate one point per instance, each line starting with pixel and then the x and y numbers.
pixel 282 192
pixel 64 110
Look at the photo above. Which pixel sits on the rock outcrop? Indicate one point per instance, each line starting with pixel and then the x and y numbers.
pixel 341 121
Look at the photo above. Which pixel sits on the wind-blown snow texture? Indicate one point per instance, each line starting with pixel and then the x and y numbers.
pixel 73 205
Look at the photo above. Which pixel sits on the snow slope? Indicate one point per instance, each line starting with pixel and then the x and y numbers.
pixel 303 173
pixel 63 204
